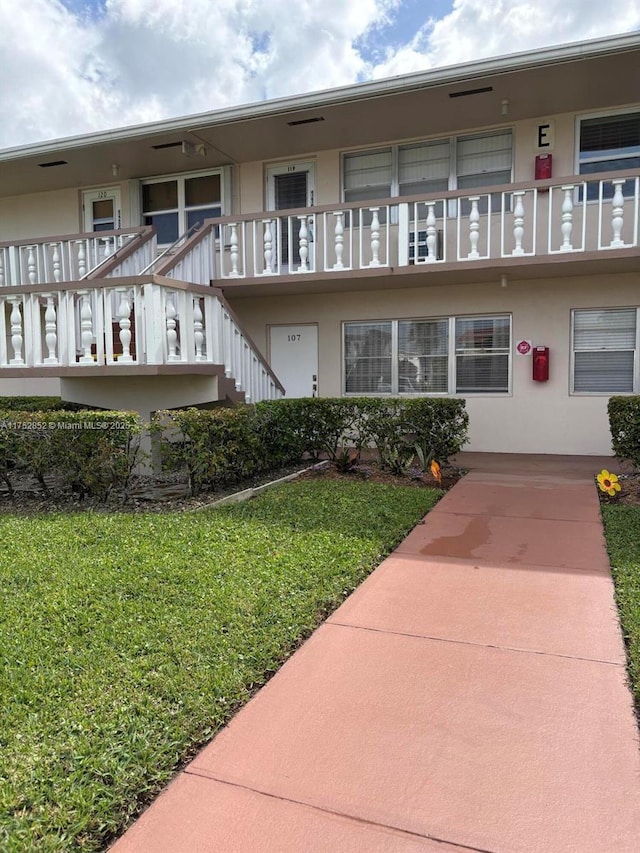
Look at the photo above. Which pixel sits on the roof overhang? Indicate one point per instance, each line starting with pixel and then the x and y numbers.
pixel 581 77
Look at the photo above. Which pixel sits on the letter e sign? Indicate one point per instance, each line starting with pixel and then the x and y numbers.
pixel 545 136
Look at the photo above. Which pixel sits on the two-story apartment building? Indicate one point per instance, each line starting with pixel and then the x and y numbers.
pixel 468 231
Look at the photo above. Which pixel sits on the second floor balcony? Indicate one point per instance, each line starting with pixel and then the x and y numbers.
pixel 569 226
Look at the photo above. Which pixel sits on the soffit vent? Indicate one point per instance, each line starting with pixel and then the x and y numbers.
pixel 466 92
pixel 53 163
pixel 167 145
pixel 300 121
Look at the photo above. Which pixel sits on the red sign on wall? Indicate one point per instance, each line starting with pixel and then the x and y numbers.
pixel 523 347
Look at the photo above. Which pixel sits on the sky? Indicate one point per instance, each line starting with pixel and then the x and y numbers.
pixel 75 66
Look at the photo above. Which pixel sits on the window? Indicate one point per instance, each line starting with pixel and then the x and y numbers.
pixel 174 205
pixel 429 167
pixel 368 349
pixel 605 347
pixel 465 355
pixel 483 346
pixel 607 144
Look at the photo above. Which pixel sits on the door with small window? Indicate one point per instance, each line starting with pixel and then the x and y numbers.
pixel 102 209
pixel 290 186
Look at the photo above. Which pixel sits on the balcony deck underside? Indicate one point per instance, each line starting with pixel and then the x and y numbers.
pixel 82 371
pixel 564 265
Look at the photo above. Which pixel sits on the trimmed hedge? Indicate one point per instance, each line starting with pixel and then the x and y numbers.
pixel 38 404
pixel 624 423
pixel 90 452
pixel 221 446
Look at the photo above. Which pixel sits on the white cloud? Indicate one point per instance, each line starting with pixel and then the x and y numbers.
pixel 478 28
pixel 140 60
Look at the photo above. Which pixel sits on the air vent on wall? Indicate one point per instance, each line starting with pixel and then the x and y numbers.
pixel 305 121
pixel 53 163
pixel 471 92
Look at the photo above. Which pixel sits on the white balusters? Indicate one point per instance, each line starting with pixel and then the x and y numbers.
pixel 303 245
pixel 518 222
pixel 172 334
pixel 339 239
pixel 16 330
pixel 198 327
pixel 124 321
pixel 86 327
pixel 268 247
pixel 617 211
pixel 432 237
pixel 567 218
pixel 50 329
pixel 32 269
pixel 1 267
pixel 55 262
pixel 108 247
pixel 82 258
pixel 474 228
pixel 233 250
pixel 375 237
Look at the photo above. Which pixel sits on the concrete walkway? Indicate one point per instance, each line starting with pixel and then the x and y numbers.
pixel 469 696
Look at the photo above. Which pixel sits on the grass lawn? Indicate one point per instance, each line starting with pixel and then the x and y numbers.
pixel 127 641
pixel 622 529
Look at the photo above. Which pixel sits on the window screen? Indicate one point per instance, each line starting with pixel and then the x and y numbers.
pixel 424 168
pixel 423 363
pixel 604 343
pixel 482 354
pixel 484 160
pixel 368 358
pixel 418 356
pixel 609 144
pixel 367 175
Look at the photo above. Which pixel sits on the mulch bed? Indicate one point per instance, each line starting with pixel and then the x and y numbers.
pixel 171 495
pixel 629 493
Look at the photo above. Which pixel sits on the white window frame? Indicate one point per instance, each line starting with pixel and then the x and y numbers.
pixel 453 158
pixel 636 354
pixel 451 358
pixel 182 209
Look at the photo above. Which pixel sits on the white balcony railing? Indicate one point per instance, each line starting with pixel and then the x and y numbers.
pixel 457 227
pixel 574 215
pixel 52 260
pixel 146 323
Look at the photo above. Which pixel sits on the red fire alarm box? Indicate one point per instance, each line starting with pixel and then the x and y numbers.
pixel 540 364
pixel 543 166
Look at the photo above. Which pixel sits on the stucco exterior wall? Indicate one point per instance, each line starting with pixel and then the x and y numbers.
pixel 40 215
pixel 535 417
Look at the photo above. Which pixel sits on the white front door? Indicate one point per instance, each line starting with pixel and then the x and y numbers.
pixel 294 358
pixel 102 209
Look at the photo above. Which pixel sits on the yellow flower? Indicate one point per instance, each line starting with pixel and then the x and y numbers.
pixel 608 482
pixel 435 471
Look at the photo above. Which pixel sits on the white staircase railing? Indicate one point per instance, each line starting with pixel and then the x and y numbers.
pixel 152 322
pixel 52 260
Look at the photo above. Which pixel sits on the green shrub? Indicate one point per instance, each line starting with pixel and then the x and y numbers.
pixel 216 446
pixel 38 404
pixel 91 452
pixel 399 429
pixel 221 446
pixel 279 425
pixel 624 423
